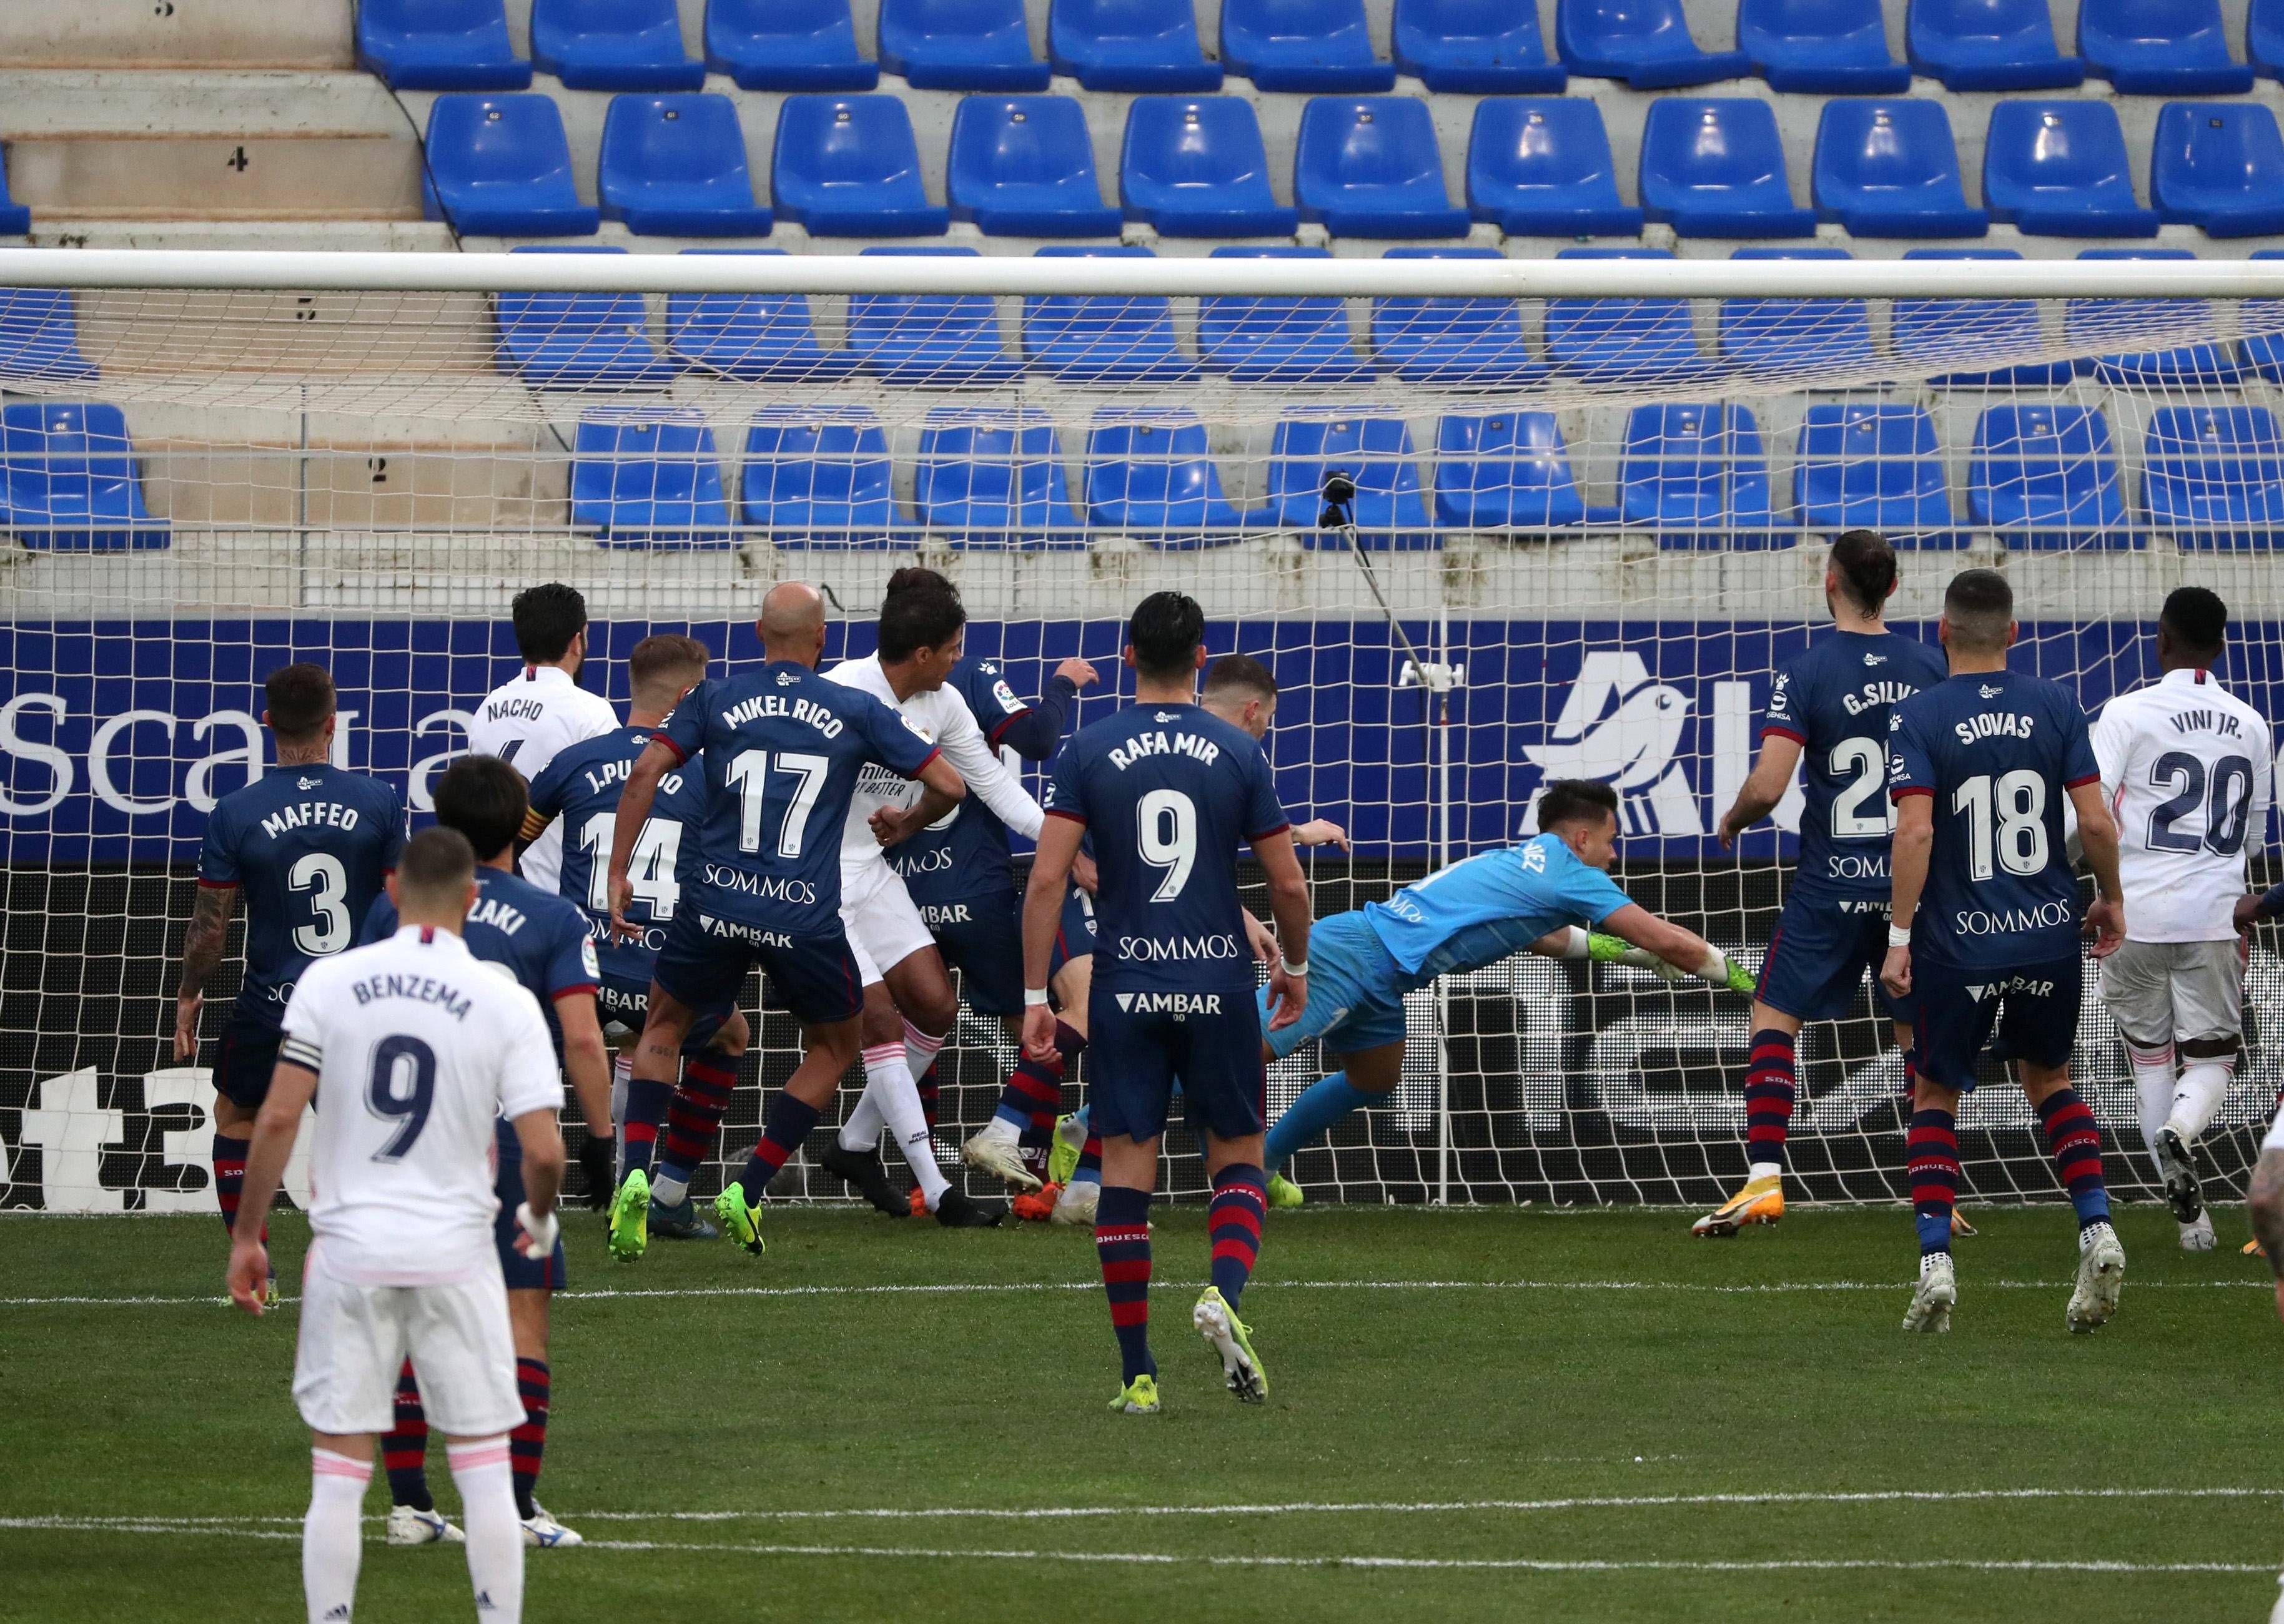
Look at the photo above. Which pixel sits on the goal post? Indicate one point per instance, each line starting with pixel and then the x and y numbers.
pixel 1592 499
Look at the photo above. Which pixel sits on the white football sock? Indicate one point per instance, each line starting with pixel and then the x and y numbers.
pixel 481 1473
pixel 623 1071
pixel 668 1189
pixel 891 1092
pixel 2197 1099
pixel 2154 1082
pixel 332 1543
pixel 861 1131
pixel 921 1049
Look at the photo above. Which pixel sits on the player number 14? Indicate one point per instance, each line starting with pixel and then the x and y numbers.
pixel 650 867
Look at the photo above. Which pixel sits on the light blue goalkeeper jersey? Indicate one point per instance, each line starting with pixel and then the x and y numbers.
pixel 1486 908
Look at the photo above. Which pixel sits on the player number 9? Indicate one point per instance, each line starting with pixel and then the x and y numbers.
pixel 1167 826
pixel 397 1062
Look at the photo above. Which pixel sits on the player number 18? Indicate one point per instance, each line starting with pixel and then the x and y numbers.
pixel 2018 799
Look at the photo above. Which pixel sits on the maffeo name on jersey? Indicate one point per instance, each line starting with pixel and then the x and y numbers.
pixel 420 988
pixel 762 705
pixel 310 815
pixel 1993 724
pixel 1142 746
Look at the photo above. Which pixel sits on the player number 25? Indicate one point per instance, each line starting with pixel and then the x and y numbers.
pixel 750 771
pixel 1165 826
pixel 1868 761
pixel 2019 842
pixel 327 885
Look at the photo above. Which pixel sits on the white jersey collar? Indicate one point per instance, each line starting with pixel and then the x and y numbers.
pixel 430 935
pixel 2183 677
pixel 548 676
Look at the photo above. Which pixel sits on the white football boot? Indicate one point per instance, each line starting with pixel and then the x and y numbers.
pixel 1932 1299
pixel 996 1149
pixel 2101 1277
pixel 410 1526
pixel 2198 1237
pixel 1077 1202
pixel 542 1531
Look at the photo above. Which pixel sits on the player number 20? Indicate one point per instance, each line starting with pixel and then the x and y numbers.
pixel 751 771
pixel 1166 824
pixel 2016 802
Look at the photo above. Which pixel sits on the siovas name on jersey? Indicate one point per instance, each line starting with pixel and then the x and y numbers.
pixel 1993 724
pixel 1170 1003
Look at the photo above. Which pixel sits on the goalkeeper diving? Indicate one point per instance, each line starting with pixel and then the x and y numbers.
pixel 1550 895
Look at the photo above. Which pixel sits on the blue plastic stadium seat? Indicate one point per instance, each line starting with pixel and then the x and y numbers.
pixel 1368 167
pixel 1104 340
pixel 439 45
pixel 990 476
pixel 2160 48
pixel 1196 167
pixel 1698 476
pixel 2219 165
pixel 1150 472
pixel 1475 48
pixel 1373 447
pixel 2091 321
pixel 15 218
pixel 500 166
pixel 1277 340
pixel 1824 47
pixel 2263 322
pixel 1949 334
pixel 820 476
pixel 613 45
pixel 1304 45
pixel 1874 467
pixel 2214 476
pixel 1543 169
pixel 1890 168
pixel 1508 471
pixel 755 337
pixel 1453 341
pixel 2264 38
pixel 68 482
pixel 1989 46
pixel 787 45
pixel 959 45
pixel 1788 336
pixel 1715 168
pixel 2059 169
pixel 675 165
pixel 1129 45
pixel 848 166
pixel 578 341
pixel 2046 478
pixel 1022 166
pixel 1646 43
pixel 1633 341
pixel 648 479
pixel 945 339
pixel 39 335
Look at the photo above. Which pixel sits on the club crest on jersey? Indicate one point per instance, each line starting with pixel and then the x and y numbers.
pixel 1623 729
pixel 305 783
pixel 1990 691
pixel 786 679
pixel 1875 660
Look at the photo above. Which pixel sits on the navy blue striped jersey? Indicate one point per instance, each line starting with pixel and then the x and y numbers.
pixel 1835 702
pixel 309 848
pixel 783 747
pixel 1169 793
pixel 535 935
pixel 965 855
pixel 581 786
pixel 1999 752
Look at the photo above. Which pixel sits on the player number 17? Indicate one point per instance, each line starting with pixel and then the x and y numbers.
pixel 750 770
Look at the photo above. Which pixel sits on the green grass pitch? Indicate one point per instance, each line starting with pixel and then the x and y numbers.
pixel 1474 1415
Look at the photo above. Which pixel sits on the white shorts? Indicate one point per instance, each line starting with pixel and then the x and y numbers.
pixel 883 923
pixel 354 1337
pixel 2162 991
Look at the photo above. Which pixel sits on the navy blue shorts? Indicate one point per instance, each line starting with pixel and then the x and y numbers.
pixel 1822 951
pixel 983 939
pixel 245 1057
pixel 2032 1012
pixel 704 959
pixel 520 1273
pixel 1140 1045
pixel 627 1002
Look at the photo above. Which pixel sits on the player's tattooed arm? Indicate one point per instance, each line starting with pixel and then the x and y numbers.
pixel 201 956
pixel 2265 1204
pixel 1757 796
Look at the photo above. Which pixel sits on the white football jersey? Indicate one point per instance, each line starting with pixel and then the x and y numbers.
pixel 941 717
pixel 524 721
pixel 420 1049
pixel 2188 771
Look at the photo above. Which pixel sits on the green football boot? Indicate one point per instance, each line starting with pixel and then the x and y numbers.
pixel 740 1222
pixel 1138 1397
pixel 1284 1192
pixel 1062 1158
pixel 631 1217
pixel 1232 1343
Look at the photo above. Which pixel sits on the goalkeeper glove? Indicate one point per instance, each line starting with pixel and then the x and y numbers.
pixel 1618 950
pixel 598 1157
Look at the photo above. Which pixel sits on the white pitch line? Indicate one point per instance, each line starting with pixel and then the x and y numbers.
pixel 986 1288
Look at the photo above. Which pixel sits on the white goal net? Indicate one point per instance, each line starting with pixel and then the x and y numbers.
pixel 1592 495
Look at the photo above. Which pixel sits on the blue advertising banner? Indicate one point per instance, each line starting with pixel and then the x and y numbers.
pixel 116 738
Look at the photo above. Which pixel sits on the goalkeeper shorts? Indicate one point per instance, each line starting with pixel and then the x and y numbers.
pixel 1356 992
